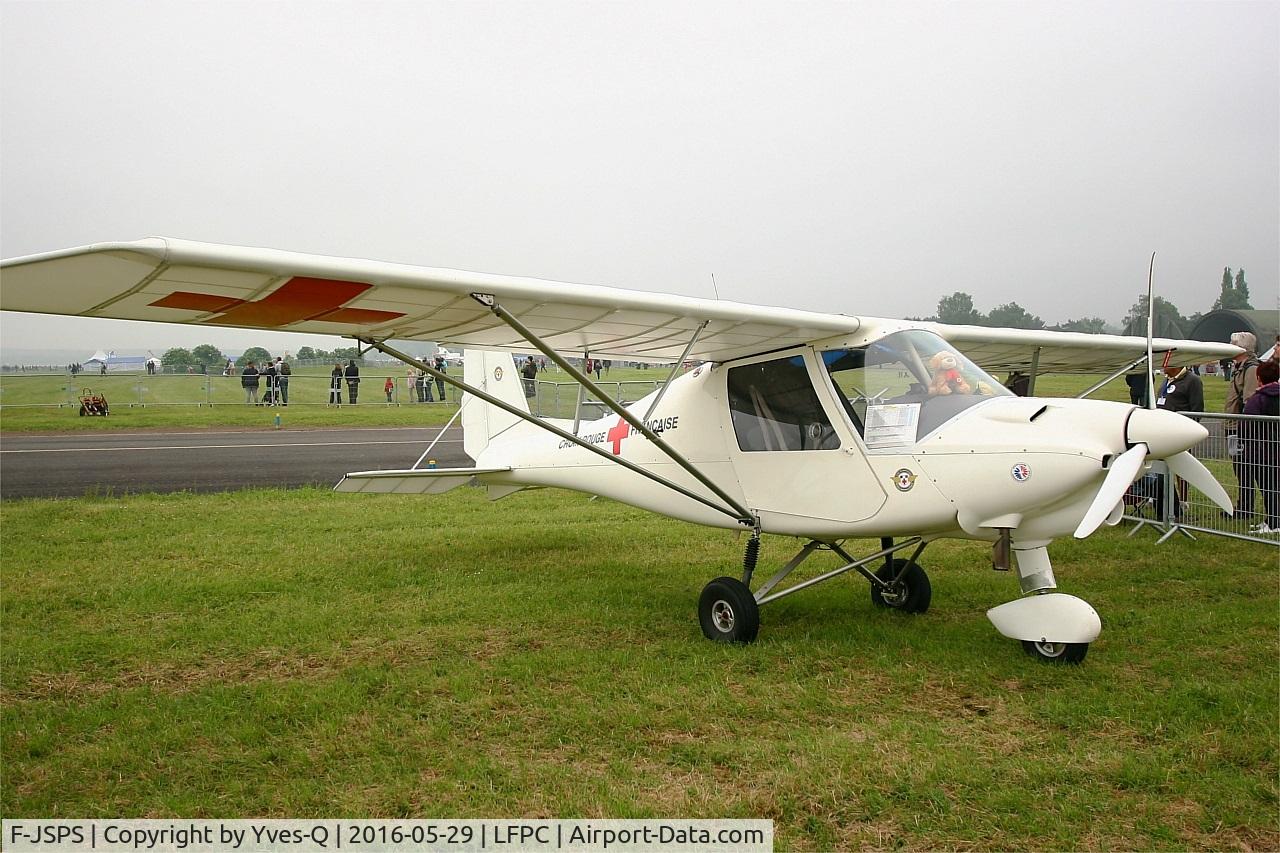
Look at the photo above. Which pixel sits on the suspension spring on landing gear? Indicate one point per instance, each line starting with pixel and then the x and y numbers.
pixel 750 557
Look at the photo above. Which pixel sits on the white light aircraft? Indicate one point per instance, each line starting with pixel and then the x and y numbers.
pixel 822 427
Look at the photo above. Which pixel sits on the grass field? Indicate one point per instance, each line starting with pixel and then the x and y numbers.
pixel 305 653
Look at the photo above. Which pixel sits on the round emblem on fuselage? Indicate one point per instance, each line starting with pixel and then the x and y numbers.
pixel 1021 472
pixel 497 373
pixel 903 479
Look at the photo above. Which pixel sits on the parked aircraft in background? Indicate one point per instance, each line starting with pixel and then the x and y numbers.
pixel 822 427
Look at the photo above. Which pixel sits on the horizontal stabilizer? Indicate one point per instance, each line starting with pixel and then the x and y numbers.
pixel 412 481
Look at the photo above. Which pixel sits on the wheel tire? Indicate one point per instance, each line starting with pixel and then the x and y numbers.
pixel 82 412
pixel 728 612
pixel 914 594
pixel 1058 653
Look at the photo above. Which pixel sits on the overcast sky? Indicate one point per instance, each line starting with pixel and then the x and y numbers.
pixel 866 158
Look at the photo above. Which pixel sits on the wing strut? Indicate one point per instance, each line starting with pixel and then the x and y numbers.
pixel 743 514
pixel 675 367
pixel 1094 387
pixel 1035 370
pixel 577 406
pixel 733 510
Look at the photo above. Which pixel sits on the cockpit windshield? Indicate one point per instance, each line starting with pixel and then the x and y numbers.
pixel 904 386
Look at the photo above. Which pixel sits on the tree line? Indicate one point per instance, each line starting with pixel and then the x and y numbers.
pixel 207 356
pixel 1169 322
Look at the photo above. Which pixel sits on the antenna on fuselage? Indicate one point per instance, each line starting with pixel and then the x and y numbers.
pixel 715 289
pixel 1151 319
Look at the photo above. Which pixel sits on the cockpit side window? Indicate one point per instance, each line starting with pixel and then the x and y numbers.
pixel 774 407
pixel 906 385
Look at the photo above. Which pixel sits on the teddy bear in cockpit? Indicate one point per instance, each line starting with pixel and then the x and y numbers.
pixel 946 377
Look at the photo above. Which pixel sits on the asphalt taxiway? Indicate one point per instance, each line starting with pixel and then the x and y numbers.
pixel 72 465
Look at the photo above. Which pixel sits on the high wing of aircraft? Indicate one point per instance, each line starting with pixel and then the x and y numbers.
pixel 824 427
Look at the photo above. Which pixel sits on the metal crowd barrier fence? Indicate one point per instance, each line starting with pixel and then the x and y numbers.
pixel 54 390
pixel 1243 454
pixel 559 399
pixel 124 390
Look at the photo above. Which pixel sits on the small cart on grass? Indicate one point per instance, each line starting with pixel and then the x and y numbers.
pixel 91 403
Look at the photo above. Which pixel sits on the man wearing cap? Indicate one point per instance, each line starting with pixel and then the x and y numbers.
pixel 1244 382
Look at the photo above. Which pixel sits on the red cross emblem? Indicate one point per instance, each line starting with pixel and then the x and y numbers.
pixel 617 432
pixel 298 299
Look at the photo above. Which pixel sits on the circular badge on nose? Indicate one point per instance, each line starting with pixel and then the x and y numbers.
pixel 497 373
pixel 904 479
pixel 1021 472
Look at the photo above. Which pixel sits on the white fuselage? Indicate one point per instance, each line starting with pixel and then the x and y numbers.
pixel 1032 465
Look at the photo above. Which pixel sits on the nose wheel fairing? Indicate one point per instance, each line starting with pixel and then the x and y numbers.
pixel 1052 617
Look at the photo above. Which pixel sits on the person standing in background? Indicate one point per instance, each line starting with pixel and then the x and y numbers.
pixel 1181 391
pixel 249 381
pixel 269 373
pixel 1244 382
pixel 442 366
pixel 529 372
pixel 283 372
pixel 1260 444
pixel 1137 383
pixel 353 381
pixel 335 386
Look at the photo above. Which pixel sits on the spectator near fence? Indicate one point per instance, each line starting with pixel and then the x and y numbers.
pixel 283 372
pixel 1137 383
pixel 249 381
pixel 1181 391
pixel 353 381
pixel 442 366
pixel 530 373
pixel 1258 445
pixel 269 374
pixel 335 386
pixel 1244 382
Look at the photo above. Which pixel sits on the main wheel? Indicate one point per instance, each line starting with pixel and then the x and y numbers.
pixel 1056 652
pixel 82 410
pixel 728 612
pixel 911 594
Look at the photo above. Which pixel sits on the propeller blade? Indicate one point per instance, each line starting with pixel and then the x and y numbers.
pixel 1193 471
pixel 1124 470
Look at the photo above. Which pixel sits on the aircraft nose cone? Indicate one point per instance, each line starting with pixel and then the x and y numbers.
pixel 1164 433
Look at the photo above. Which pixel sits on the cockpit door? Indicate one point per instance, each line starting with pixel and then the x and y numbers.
pixel 792 449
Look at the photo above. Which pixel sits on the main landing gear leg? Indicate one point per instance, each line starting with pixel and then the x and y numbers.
pixel 729 613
